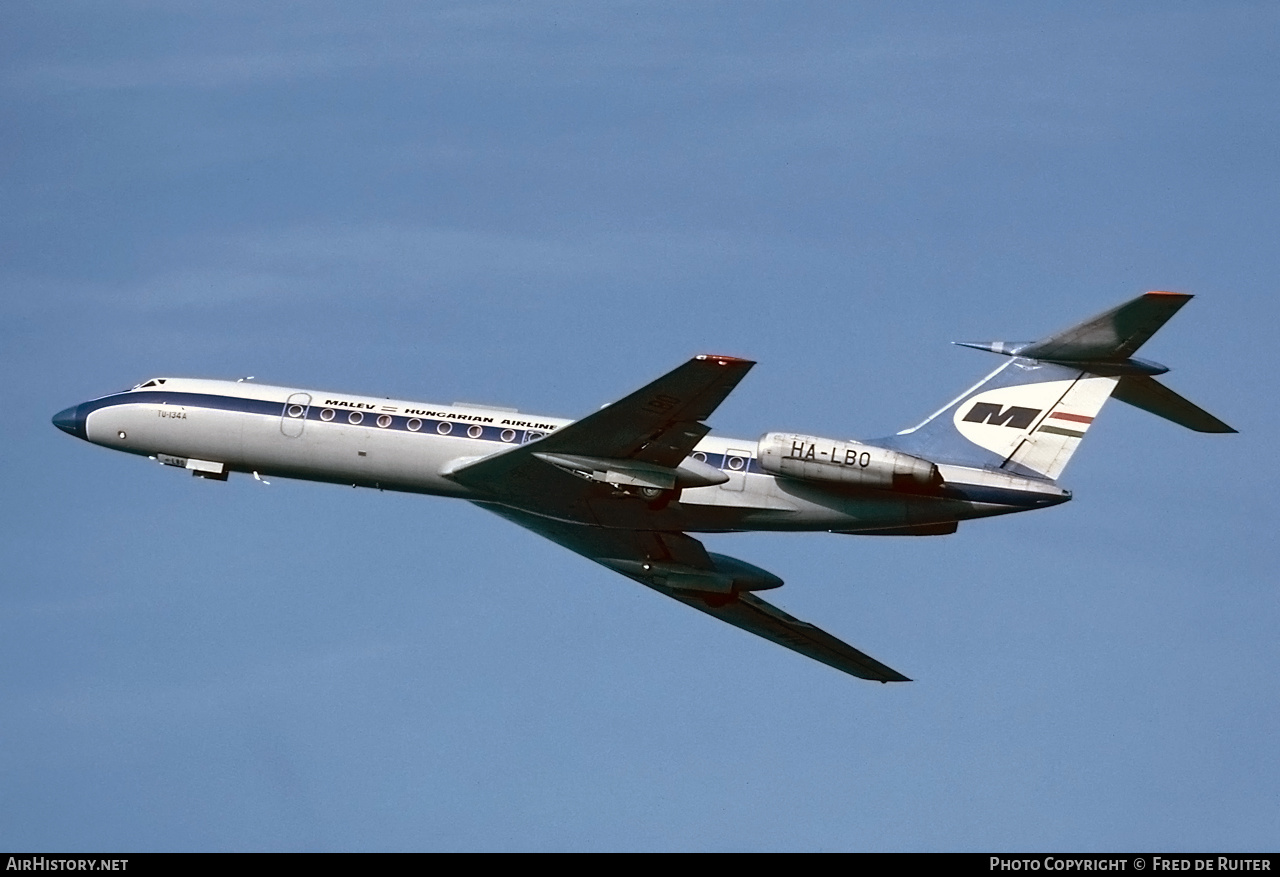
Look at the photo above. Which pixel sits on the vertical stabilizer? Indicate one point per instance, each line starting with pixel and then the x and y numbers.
pixel 1030 415
pixel 1027 418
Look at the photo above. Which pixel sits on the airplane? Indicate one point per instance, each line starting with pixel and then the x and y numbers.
pixel 625 485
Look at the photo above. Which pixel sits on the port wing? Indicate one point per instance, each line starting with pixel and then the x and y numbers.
pixel 645 436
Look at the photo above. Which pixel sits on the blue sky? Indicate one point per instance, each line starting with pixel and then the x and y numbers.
pixel 545 206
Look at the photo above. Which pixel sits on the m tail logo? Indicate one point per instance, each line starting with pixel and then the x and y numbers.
pixel 1015 415
pixel 1070 404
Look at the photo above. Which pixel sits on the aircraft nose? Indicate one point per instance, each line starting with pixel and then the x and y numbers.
pixel 70 421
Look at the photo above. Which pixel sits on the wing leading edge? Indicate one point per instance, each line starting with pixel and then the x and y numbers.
pixel 677 565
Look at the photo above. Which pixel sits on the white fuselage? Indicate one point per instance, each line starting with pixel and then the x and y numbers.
pixel 214 426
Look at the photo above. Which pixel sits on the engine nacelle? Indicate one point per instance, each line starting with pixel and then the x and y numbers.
pixel 810 458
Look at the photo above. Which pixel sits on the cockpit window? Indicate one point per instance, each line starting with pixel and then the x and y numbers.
pixel 154 382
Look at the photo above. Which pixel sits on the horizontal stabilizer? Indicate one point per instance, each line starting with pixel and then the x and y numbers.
pixel 1145 392
pixel 1111 336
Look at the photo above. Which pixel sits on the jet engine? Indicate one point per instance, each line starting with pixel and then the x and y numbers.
pixel 810 458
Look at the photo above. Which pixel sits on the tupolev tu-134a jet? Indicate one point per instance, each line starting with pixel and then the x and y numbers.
pixel 625 485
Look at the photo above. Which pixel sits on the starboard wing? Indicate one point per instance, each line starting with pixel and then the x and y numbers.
pixel 675 563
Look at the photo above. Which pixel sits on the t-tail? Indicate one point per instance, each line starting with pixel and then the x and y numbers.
pixel 1030 414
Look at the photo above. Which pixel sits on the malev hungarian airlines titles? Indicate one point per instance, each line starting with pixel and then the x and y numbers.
pixel 626 485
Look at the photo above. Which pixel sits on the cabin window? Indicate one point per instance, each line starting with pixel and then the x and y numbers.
pixel 700 457
pixel 414 425
pixel 355 417
pixel 384 421
pixel 326 415
pixel 475 431
pixel 295 410
pixel 508 435
pixel 444 427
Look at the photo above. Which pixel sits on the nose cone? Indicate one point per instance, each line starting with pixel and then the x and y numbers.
pixel 70 421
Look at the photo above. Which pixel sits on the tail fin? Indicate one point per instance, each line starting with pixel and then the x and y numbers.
pixel 1029 415
pixel 1026 417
